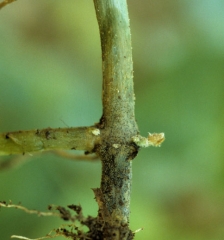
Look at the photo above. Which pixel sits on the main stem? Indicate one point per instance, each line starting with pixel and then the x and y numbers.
pixel 118 93
pixel 117 124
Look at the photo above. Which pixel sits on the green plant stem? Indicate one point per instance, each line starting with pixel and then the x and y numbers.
pixel 117 124
pixel 118 93
pixel 115 139
pixel 21 142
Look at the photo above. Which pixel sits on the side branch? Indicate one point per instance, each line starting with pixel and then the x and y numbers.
pixel 21 142
pixel 4 3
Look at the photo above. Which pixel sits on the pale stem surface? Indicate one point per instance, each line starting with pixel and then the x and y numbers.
pixel 21 142
pixel 118 93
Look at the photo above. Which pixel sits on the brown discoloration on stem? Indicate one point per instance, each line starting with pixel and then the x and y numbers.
pixel 111 224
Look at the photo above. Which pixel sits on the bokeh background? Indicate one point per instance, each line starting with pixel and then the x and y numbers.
pixel 50 76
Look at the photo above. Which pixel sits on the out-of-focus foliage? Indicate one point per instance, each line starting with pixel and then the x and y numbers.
pixel 50 76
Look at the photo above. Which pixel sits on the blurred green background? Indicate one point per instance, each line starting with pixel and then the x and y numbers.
pixel 50 76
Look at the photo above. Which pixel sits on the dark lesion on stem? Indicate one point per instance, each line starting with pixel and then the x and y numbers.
pixel 117 124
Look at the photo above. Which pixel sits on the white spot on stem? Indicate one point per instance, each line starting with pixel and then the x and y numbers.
pixel 116 145
pixel 96 131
